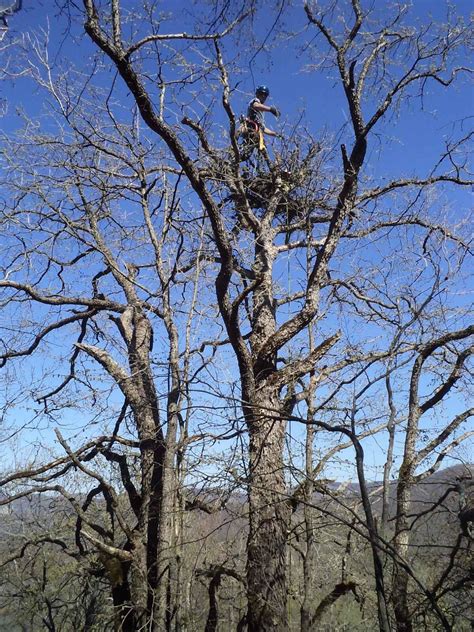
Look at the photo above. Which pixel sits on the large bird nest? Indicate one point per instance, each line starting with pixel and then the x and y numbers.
pixel 289 186
pixel 290 181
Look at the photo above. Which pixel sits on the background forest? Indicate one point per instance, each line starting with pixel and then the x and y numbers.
pixel 236 393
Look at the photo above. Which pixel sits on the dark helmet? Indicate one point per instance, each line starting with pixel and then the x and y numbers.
pixel 263 90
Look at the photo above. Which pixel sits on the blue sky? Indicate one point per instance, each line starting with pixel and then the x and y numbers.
pixel 315 96
pixel 404 145
pixel 279 66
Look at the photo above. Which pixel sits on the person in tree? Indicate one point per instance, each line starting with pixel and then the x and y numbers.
pixel 254 127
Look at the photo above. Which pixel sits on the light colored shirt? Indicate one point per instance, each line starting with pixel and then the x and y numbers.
pixel 255 115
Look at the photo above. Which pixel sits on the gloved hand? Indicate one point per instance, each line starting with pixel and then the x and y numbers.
pixel 274 111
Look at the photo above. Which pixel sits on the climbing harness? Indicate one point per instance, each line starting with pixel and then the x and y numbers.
pixel 252 138
pixel 251 128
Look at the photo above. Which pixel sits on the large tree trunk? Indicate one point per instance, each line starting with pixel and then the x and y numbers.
pixel 155 472
pixel 269 515
pixel 125 619
pixel 166 550
pixel 402 538
pixel 307 605
pixel 269 511
pixel 401 542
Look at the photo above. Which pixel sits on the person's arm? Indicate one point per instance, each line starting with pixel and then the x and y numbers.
pixel 261 107
pixel 269 132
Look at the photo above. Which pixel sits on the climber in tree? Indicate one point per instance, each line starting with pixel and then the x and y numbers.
pixel 253 127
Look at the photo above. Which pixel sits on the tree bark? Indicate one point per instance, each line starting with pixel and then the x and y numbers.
pixel 309 559
pixel 269 516
pixel 402 538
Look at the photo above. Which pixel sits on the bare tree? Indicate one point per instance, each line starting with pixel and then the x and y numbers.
pixel 414 455
pixel 310 203
pixel 262 380
pixel 93 197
